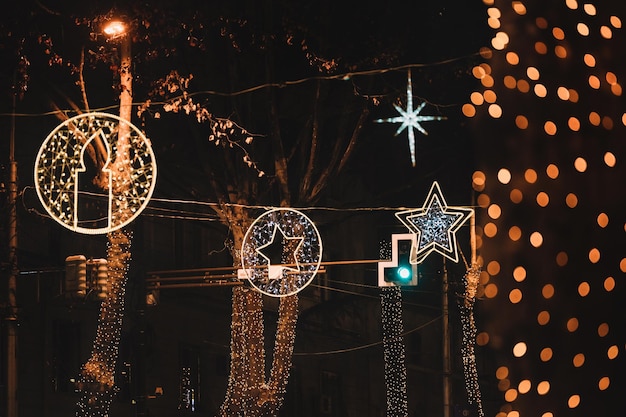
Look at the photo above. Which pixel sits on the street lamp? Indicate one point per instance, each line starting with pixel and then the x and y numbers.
pixel 118 31
pixel 114 29
pixel 99 371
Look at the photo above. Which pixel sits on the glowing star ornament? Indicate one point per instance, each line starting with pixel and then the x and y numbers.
pixel 281 252
pixel 410 119
pixel 436 225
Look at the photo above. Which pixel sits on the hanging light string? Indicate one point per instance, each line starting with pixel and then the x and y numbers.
pixel 97 381
pixel 394 352
pixel 248 391
pixel 468 324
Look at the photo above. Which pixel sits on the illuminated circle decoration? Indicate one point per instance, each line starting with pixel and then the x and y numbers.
pixel 281 252
pixel 435 225
pixel 127 173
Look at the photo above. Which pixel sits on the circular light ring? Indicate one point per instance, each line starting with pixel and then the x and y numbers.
pixel 60 163
pixel 298 267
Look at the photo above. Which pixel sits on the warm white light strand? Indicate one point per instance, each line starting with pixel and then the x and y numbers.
pixel 394 354
pixel 470 370
pixel 248 392
pixel 97 381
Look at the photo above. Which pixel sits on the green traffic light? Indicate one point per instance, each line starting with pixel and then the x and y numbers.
pixel 404 273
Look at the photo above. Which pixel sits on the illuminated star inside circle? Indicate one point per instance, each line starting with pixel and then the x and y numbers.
pixel 281 253
pixel 436 225
pixel 410 119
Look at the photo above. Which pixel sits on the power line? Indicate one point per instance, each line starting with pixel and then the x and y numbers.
pixel 215 205
pixel 347 76
pixel 367 346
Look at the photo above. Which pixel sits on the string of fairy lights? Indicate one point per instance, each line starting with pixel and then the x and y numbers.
pixel 248 391
pixel 469 331
pixel 394 353
pixel 97 381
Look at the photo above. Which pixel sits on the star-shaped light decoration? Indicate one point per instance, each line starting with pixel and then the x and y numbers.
pixel 281 253
pixel 410 119
pixel 436 225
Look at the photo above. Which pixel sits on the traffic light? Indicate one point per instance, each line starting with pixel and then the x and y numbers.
pixel 75 276
pixel 99 277
pixel 403 273
pixel 82 274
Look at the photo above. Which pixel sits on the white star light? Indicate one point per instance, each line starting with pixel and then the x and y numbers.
pixel 436 225
pixel 410 119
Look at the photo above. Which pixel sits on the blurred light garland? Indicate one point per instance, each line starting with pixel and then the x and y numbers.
pixel 97 381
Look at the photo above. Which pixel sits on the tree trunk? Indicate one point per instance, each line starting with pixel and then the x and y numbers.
pixel 249 393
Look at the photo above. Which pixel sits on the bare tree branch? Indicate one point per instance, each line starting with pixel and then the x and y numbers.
pixel 81 79
pixel 322 182
pixel 306 179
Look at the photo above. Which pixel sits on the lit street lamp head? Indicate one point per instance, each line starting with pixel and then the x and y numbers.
pixel 114 29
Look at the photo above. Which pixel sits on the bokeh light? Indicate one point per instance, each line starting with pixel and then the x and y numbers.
pixel 552 208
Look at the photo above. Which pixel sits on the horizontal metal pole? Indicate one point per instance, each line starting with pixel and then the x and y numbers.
pixel 195 285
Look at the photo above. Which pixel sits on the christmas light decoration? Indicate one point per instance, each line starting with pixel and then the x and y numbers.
pixel 97 381
pixel 466 308
pixel 436 225
pixel 410 119
pixel 126 177
pixel 394 354
pixel 281 267
pixel 248 392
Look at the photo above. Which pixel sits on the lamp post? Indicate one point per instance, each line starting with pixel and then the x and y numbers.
pixel 98 375
pixel 116 30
